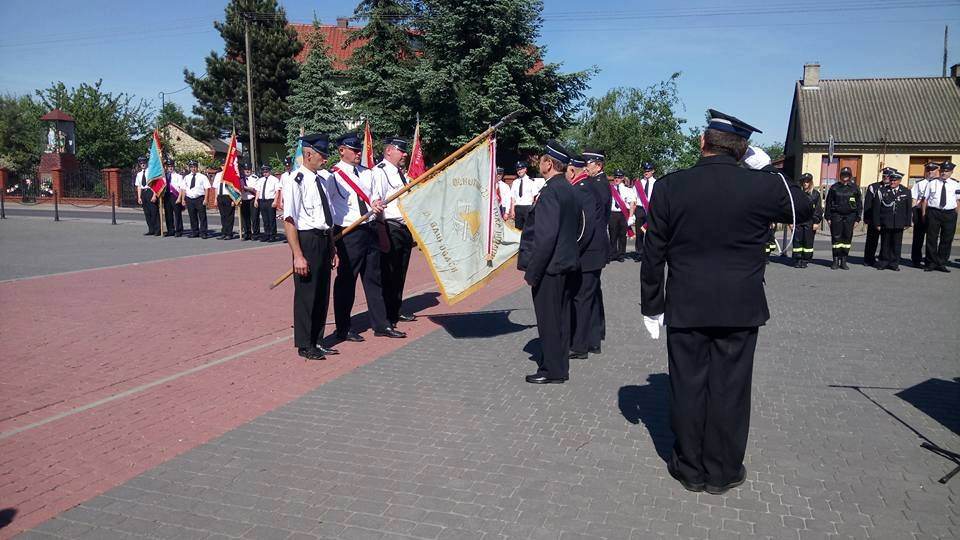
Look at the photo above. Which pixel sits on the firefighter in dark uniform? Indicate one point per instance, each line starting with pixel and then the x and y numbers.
pixel 805 233
pixel 872 241
pixel 600 185
pixel 593 245
pixel 892 213
pixel 713 303
pixel 842 210
pixel 549 257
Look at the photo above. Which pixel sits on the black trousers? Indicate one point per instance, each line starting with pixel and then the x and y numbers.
pixel 841 233
pixel 919 233
pixel 520 215
pixel 710 377
pixel 254 219
pixel 311 293
pixel 586 304
pixel 359 256
pixel 227 209
pixel 600 314
pixel 247 212
pixel 891 241
pixel 269 216
pixel 393 266
pixel 870 246
pixel 638 239
pixel 197 211
pixel 551 304
pixel 803 236
pixel 617 228
pixel 173 215
pixel 941 225
pixel 151 211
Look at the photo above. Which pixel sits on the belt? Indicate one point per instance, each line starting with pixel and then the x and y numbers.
pixel 315 232
pixel 195 198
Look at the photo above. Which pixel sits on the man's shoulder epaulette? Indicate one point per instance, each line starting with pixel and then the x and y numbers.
pixel 298 178
pixel 380 165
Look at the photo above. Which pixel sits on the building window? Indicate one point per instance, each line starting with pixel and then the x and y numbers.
pixel 830 170
pixel 917 164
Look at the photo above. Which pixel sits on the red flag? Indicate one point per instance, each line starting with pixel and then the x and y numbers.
pixel 417 164
pixel 366 155
pixel 231 171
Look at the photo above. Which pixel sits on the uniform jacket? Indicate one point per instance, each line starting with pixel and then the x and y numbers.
pixel 816 207
pixel 548 244
pixel 870 200
pixel 600 185
pixel 843 199
pixel 892 208
pixel 595 241
pixel 709 224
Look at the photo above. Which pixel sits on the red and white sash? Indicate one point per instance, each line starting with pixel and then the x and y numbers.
pixel 623 207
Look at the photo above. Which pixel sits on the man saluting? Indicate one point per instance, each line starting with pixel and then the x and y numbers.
pixel 713 301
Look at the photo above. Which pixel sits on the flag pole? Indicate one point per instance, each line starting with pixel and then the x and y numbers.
pixel 431 172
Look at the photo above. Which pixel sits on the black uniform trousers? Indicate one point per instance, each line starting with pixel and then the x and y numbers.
pixel 173 215
pixel 891 241
pixel 551 305
pixel 197 211
pixel 941 225
pixel 711 370
pixel 638 239
pixel 393 266
pixel 255 220
pixel 617 228
pixel 311 293
pixel 359 256
pixel 520 215
pixel 587 316
pixel 870 246
pixel 919 232
pixel 841 233
pixel 803 237
pixel 247 211
pixel 227 209
pixel 151 211
pixel 269 216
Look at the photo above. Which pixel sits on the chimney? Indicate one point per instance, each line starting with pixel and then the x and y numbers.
pixel 343 22
pixel 955 72
pixel 811 75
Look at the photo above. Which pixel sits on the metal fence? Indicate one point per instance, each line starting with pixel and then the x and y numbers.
pixel 128 193
pixel 85 183
pixel 29 186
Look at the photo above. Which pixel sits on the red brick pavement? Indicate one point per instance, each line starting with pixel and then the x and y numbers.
pixel 108 376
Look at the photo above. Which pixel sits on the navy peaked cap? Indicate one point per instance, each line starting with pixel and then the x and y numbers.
pixel 556 151
pixel 401 144
pixel 594 154
pixel 521 165
pixel 932 166
pixel 618 173
pixel 647 166
pixel 317 141
pixel 351 141
pixel 947 166
pixel 730 124
pixel 846 172
pixel 578 161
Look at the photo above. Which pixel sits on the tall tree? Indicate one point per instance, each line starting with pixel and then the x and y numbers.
pixel 21 132
pixel 481 62
pixel 222 93
pixel 110 127
pixel 313 102
pixel 380 72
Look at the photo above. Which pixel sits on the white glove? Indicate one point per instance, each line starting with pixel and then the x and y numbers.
pixel 631 221
pixel 653 324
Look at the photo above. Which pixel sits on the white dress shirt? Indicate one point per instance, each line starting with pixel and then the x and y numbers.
pixel 506 194
pixel 646 185
pixel 933 192
pixel 140 180
pixel 627 194
pixel 390 180
pixel 176 181
pixel 343 200
pixel 268 187
pixel 302 205
pixel 253 181
pixel 918 190
pixel 217 183
pixel 526 189
pixel 199 182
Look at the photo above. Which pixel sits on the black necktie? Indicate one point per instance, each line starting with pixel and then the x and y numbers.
pixel 521 185
pixel 646 186
pixel 363 205
pixel 402 177
pixel 193 180
pixel 327 217
pixel 221 186
pixel 943 194
pixel 263 190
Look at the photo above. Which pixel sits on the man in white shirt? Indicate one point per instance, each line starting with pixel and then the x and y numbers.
pixel 940 213
pixel 644 193
pixel 225 205
pixel 268 187
pixel 249 217
pixel 504 195
pixel 308 223
pixel 523 190
pixel 147 198
pixel 194 197
pixel 354 194
pixel 619 210
pixel 931 170
pixel 172 209
pixel 394 263
pixel 288 165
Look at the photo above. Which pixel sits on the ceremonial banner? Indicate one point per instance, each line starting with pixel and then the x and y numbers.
pixel 156 179
pixel 417 164
pixel 456 222
pixel 231 171
pixel 298 156
pixel 366 154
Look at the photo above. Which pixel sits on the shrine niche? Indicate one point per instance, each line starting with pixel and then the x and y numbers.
pixel 60 148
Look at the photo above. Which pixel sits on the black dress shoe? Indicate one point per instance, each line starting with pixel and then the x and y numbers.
pixel 178 235
pixel 895 268
pixel 205 236
pixel 594 350
pixel 574 355
pixel 407 318
pixel 310 353
pixel 167 234
pixel 928 269
pixel 350 336
pixel 943 269
pixel 390 333
pixel 327 350
pixel 536 378
pixel 719 490
pixel 148 234
pixel 695 487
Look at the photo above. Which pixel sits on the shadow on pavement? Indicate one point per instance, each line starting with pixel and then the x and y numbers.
pixel 6 516
pixel 938 398
pixel 650 404
pixel 360 322
pixel 479 324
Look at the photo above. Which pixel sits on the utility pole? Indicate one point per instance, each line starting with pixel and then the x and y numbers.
pixel 946 31
pixel 249 61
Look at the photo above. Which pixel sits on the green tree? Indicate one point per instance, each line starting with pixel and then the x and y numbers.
pixel 222 93
pixel 111 127
pixel 380 73
pixel 21 132
pixel 481 62
pixel 774 150
pixel 636 125
pixel 314 104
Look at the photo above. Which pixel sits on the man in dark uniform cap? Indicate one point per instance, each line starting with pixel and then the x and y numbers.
pixel 714 301
pixel 593 257
pixel 394 262
pixel 600 185
pixel 172 209
pixel 931 171
pixel 892 213
pixel 147 198
pixel 940 211
pixel 805 232
pixel 872 241
pixel 549 256
pixel 842 210
pixel 644 188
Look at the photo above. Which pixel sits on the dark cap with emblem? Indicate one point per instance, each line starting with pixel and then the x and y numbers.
pixel 578 161
pixel 245 166
pixel 618 173
pixel 400 144
pixel 932 166
pixel 947 166
pixel 556 151
pixel 521 165
pixel 264 168
pixel 193 163
pixel 499 170
pixel 594 154
pixel 647 166
pixel 142 159
pixel 896 175
pixel 351 141
pixel 845 172
pixel 887 171
pixel 319 142
pixel 806 177
pixel 730 124
pixel 168 161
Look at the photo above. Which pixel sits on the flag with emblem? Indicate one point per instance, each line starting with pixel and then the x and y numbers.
pixel 417 164
pixel 456 222
pixel 231 171
pixel 156 179
pixel 366 155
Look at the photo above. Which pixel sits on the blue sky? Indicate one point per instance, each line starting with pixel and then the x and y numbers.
pixel 740 58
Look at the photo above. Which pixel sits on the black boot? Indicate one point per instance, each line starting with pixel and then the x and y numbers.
pixel 836 263
pixel 843 263
pixel 798 263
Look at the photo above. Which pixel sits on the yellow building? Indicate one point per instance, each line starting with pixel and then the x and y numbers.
pixel 869 124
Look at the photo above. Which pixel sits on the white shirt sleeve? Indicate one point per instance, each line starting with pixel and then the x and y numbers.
pixel 291 206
